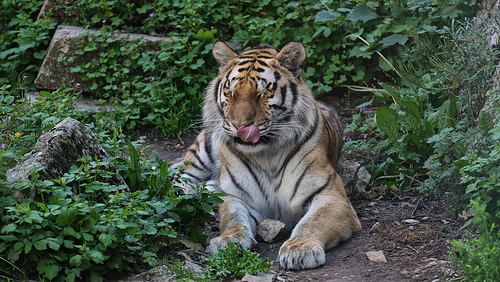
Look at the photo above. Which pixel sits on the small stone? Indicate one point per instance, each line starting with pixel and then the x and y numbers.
pixel 271 230
pixel 376 256
pixel 411 221
pixel 260 278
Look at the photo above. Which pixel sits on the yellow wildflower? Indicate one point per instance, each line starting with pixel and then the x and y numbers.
pixel 18 134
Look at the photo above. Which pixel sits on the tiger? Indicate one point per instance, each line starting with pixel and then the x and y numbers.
pixel 272 149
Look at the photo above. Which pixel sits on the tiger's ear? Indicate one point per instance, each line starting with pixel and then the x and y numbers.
pixel 223 53
pixel 292 56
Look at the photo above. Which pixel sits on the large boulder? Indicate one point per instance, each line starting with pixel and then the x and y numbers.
pixel 55 71
pixel 56 151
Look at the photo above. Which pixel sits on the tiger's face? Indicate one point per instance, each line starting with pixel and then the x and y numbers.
pixel 256 93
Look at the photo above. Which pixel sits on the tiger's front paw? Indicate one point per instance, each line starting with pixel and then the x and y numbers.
pixel 240 235
pixel 301 254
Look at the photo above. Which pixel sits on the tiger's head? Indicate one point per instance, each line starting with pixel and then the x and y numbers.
pixel 259 99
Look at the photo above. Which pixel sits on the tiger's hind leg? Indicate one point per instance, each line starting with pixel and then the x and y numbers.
pixel 236 225
pixel 329 220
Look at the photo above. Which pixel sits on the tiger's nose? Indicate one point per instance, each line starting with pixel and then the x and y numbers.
pixel 243 114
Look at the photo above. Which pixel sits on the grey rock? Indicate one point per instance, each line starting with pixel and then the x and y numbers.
pixel 411 221
pixel 55 71
pixel 376 256
pixel 355 177
pixel 259 278
pixel 57 150
pixel 271 230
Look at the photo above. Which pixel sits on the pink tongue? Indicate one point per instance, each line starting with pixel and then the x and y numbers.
pixel 248 133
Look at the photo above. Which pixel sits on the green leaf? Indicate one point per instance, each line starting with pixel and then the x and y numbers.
pixel 41 244
pixel 359 51
pixel 445 116
pixel 387 122
pixel 34 216
pixel 88 237
pixel 105 239
pixel 27 247
pixel 394 39
pixel 68 244
pixel 96 256
pixel 326 16
pixel 322 29
pixel 9 228
pixel 25 46
pixel 75 260
pixel 69 231
pixel 18 246
pixel 67 216
pixel 485 122
pixel 53 243
pixel 13 255
pixel 48 267
pixel 361 13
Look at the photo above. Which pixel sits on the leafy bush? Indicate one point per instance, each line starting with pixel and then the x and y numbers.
pixel 79 226
pixel 476 258
pixel 23 43
pixel 84 233
pixel 432 121
pixel 236 260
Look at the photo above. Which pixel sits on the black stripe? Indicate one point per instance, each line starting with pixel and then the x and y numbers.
pixel 283 91
pixel 194 176
pixel 247 164
pixel 260 49
pixel 195 153
pixel 236 184
pixel 228 73
pixel 330 134
pixel 208 146
pixel 247 61
pixel 275 86
pixel 295 94
pixel 243 69
pixel 277 76
pixel 216 94
pixel 253 218
pixel 260 70
pixel 262 63
pixel 278 107
pixel 297 148
pixel 284 119
pixel 319 190
pixel 197 167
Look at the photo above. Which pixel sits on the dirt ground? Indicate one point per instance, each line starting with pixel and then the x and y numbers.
pixel 411 233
